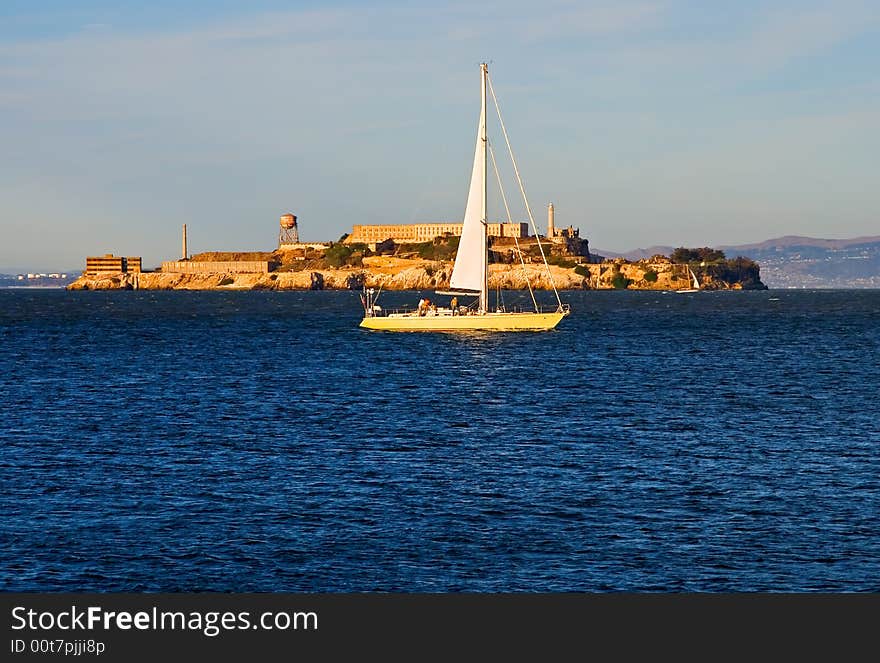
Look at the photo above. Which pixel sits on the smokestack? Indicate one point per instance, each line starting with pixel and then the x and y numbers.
pixel 551 230
pixel 185 255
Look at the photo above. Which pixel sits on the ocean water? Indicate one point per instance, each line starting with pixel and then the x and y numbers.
pixel 261 441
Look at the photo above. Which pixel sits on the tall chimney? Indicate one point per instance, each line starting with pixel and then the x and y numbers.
pixel 551 231
pixel 185 255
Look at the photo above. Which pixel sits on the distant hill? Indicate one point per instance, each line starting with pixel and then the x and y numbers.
pixel 806 262
pixel 796 241
pixel 798 262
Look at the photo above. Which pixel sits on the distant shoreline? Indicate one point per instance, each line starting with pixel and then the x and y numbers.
pixel 33 287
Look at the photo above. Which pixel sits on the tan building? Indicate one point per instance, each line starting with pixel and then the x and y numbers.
pixel 108 263
pixel 414 233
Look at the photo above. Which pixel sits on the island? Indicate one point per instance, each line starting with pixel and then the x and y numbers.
pixel 425 266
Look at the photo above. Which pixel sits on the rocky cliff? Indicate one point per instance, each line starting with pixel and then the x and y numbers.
pixel 391 273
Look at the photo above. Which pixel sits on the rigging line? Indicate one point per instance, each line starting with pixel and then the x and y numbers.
pixel 510 220
pixel 522 190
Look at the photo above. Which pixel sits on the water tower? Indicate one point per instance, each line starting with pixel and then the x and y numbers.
pixel 289 232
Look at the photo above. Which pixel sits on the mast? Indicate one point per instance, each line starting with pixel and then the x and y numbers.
pixel 470 271
pixel 484 285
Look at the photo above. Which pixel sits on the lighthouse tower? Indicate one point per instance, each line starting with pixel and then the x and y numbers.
pixel 551 230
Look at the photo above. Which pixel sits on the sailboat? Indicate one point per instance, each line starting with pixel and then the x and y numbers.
pixel 470 273
pixel 693 279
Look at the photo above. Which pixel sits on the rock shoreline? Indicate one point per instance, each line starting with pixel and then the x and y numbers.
pixel 390 273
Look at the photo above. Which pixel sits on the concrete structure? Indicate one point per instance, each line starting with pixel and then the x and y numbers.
pixel 379 247
pixel 218 267
pixel 110 264
pixel 566 233
pixel 561 235
pixel 289 231
pixel 184 255
pixel 414 233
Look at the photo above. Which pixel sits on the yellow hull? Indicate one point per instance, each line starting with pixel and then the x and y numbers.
pixel 450 323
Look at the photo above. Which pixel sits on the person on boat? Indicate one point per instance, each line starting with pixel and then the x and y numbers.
pixel 453 304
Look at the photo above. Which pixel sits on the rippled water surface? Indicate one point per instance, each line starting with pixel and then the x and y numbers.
pixel 251 441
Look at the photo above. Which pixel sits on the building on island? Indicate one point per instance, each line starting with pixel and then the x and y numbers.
pixel 289 233
pixel 559 235
pixel 415 233
pixel 110 264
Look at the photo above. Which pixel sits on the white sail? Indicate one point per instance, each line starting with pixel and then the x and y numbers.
pixel 694 277
pixel 467 273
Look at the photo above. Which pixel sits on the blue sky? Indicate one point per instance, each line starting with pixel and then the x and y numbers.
pixel 646 122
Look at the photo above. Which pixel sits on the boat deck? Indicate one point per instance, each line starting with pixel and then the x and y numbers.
pixel 444 320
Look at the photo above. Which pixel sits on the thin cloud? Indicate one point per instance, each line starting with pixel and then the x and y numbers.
pixel 784 36
pixel 552 20
pixel 576 20
pixel 767 43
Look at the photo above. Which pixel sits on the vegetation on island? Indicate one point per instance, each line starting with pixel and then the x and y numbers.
pixel 620 282
pixel 561 261
pixel 339 255
pixel 438 249
pixel 713 263
pixel 710 265
pixel 685 256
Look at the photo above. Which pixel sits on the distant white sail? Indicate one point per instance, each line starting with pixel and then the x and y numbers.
pixel 467 273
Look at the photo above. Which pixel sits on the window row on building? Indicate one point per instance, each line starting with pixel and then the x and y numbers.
pixel 425 232
pixel 109 263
